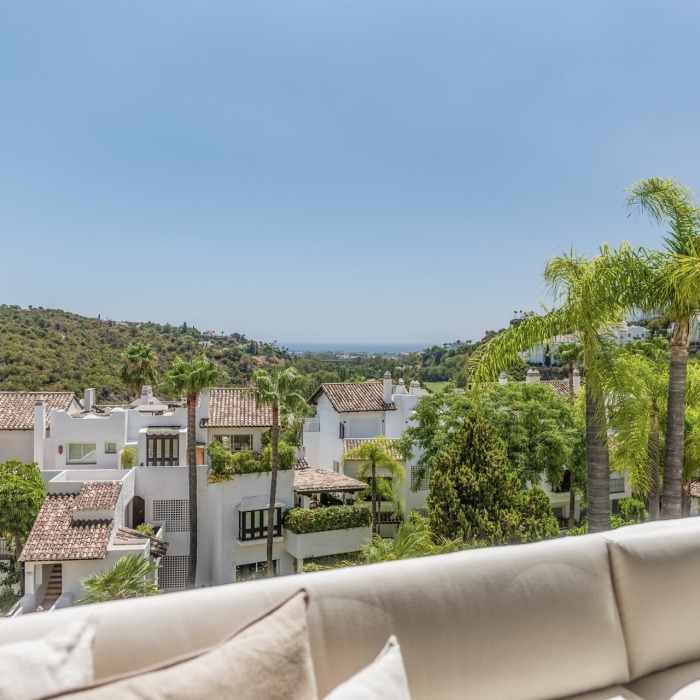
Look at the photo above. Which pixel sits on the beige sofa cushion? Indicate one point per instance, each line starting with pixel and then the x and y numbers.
pixel 504 622
pixel 268 658
pixel 656 571
pixel 614 692
pixel 678 683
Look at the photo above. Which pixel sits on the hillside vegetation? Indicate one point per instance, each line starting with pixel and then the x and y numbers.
pixel 53 350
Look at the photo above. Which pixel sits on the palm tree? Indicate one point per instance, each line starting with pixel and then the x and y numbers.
pixel 377 454
pixel 637 404
pixel 280 389
pixel 190 379
pixel 570 354
pixel 593 294
pixel 130 577
pixel 674 288
pixel 138 366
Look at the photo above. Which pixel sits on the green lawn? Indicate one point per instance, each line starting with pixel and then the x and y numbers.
pixel 435 386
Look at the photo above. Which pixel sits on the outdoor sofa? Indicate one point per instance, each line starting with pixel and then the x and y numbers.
pixel 595 616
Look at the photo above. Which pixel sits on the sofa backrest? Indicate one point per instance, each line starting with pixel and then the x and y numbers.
pixel 656 573
pixel 527 621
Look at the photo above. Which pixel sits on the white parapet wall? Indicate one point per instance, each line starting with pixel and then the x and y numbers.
pixel 328 542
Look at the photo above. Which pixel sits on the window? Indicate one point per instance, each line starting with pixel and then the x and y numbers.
pixel 250 572
pixel 175 513
pixel 422 483
pixel 235 443
pixel 558 513
pixel 110 448
pixel 615 506
pixel 336 466
pixel 82 453
pixel 252 524
pixel 341 431
pixel 617 485
pixel 173 572
pixel 162 450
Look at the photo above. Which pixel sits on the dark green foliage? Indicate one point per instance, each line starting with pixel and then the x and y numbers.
pixel 22 491
pixel 286 454
pixel 475 494
pixel 128 459
pixel 632 512
pixel 224 465
pixel 304 520
pixel 53 350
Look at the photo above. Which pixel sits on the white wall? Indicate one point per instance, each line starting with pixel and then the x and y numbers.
pixel 17 444
pixel 319 544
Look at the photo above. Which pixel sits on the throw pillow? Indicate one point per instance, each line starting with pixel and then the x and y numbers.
pixel 268 658
pixel 60 661
pixel 384 679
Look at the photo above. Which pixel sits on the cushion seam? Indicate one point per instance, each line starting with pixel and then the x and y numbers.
pixel 609 545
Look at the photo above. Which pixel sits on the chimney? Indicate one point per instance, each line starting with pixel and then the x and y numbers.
pixel 388 389
pixel 577 381
pixel 146 394
pixel 414 386
pixel 39 430
pixel 503 379
pixel 533 375
pixel 204 400
pixel 89 402
pixel 401 388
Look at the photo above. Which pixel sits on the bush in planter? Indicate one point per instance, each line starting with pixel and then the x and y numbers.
pixel 303 521
pixel 128 458
pixel 286 456
pixel 146 529
pixel 245 462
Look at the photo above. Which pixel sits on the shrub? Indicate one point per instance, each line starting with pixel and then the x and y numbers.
pixel 303 521
pixel 285 456
pixel 245 462
pixel 128 458
pixel 146 529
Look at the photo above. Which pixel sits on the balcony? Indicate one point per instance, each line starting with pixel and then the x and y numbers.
pixel 322 531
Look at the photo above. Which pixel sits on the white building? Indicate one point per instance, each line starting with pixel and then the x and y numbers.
pixel 349 413
pixel 81 460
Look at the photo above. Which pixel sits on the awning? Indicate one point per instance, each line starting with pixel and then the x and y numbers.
pixel 309 481
pixel 166 430
pixel 258 503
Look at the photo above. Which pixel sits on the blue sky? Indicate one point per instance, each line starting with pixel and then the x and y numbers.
pixel 390 171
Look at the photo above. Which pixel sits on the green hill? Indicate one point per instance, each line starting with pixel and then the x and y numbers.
pixel 53 350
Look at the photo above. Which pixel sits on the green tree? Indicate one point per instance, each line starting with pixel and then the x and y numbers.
pixel 593 294
pixel 374 455
pixel 279 389
pixel 673 288
pixel 131 577
pixel 190 379
pixel 475 495
pixel 637 406
pixel 138 366
pixel 22 491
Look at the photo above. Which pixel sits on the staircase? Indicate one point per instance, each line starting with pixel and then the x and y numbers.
pixel 53 590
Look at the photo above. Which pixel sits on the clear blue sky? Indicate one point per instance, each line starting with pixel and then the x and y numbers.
pixel 330 171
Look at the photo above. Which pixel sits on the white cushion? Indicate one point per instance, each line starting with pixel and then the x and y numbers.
pixel 678 683
pixel 384 679
pixel 59 661
pixel 268 658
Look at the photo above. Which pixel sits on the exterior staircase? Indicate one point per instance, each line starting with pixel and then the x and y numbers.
pixel 53 590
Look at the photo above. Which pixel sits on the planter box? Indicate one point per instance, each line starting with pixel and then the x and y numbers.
pixel 320 544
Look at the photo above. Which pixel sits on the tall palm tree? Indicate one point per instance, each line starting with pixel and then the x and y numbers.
pixel 377 454
pixel 593 294
pixel 674 288
pixel 138 366
pixel 280 389
pixel 190 379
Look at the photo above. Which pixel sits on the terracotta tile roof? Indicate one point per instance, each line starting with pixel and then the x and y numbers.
pixel 235 408
pixel 17 407
pixel 325 480
pixel 57 537
pixel 98 495
pixel 126 535
pixel 353 443
pixel 354 396
pixel 695 489
pixel 560 386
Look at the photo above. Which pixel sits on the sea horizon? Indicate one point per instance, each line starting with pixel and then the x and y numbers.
pixel 352 347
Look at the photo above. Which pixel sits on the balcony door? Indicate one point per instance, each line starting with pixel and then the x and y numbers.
pixel 162 450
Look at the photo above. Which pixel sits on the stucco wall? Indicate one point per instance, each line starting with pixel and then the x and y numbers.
pixel 17 444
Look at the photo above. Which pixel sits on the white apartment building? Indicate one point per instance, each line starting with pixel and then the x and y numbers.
pixel 349 413
pixel 89 517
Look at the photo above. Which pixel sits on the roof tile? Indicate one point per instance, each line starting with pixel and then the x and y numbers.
pixel 17 407
pixel 235 408
pixel 353 397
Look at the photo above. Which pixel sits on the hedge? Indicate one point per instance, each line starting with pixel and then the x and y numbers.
pixel 302 521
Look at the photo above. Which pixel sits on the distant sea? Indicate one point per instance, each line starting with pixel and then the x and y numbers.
pixel 355 347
